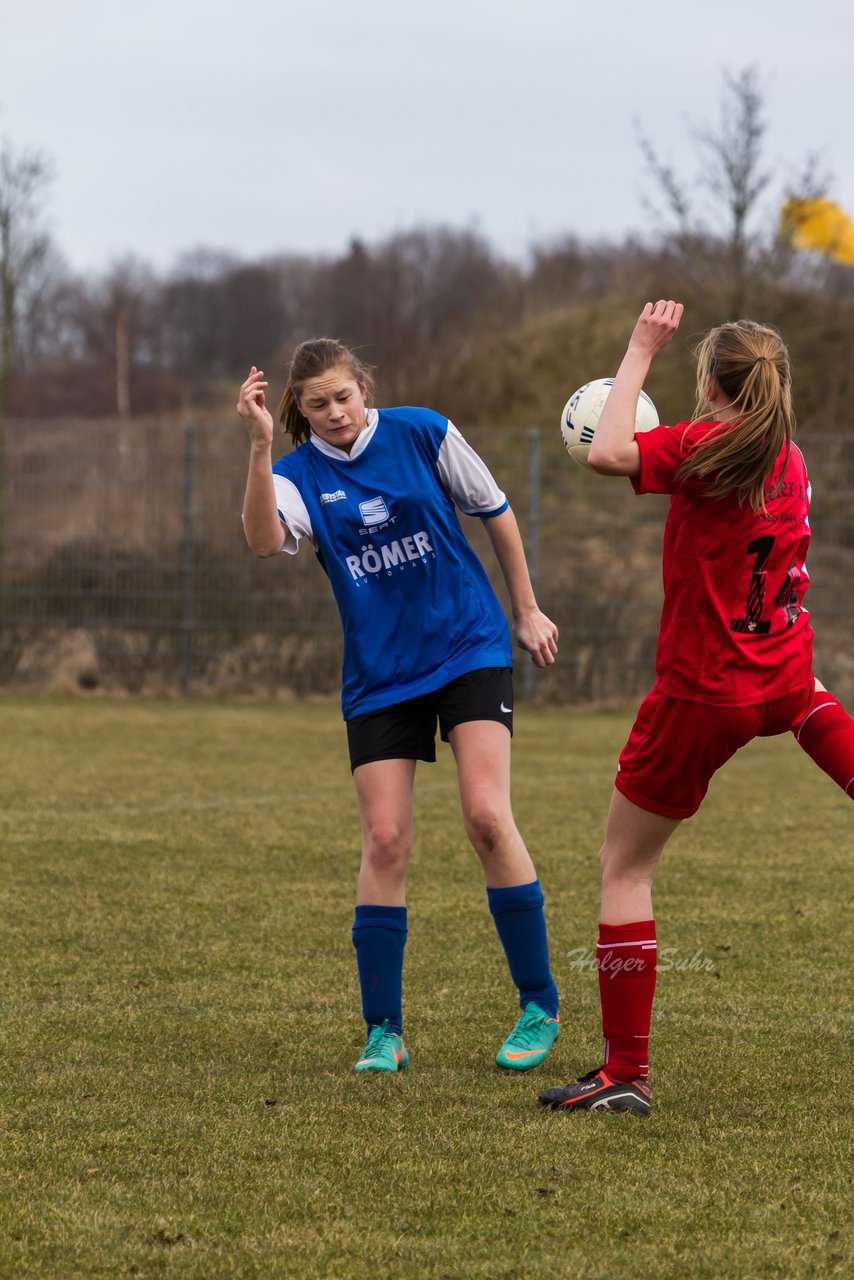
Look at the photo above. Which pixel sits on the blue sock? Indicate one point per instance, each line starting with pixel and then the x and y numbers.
pixel 379 936
pixel 521 924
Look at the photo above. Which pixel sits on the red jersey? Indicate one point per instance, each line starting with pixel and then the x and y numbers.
pixel 734 631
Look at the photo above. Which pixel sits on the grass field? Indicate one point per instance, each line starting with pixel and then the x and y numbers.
pixel 180 1016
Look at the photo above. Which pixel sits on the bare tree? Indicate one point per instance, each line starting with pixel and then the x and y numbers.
pixel 716 215
pixel 410 300
pixel 24 244
pixel 123 300
pixel 220 314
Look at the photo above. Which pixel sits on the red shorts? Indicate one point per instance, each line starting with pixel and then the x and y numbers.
pixel 676 747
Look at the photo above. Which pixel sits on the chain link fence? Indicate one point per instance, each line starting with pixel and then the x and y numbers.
pixel 124 566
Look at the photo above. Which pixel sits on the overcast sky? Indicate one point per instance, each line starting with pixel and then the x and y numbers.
pixel 268 125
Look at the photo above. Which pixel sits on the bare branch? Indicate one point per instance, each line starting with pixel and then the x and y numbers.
pixel 676 199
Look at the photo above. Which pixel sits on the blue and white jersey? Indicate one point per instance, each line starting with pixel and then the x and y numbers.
pixel 416 605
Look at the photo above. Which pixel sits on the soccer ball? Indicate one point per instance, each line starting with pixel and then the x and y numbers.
pixel 583 410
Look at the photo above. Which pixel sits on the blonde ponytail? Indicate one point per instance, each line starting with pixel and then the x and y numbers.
pixel 750 364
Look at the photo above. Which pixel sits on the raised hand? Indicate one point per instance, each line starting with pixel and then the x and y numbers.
pixel 655 326
pixel 252 407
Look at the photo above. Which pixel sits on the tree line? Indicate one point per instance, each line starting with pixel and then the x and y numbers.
pixel 419 305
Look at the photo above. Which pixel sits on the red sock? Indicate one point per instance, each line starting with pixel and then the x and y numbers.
pixel 826 733
pixel 626 960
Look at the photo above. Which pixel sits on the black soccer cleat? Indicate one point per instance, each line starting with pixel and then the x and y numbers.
pixel 598 1092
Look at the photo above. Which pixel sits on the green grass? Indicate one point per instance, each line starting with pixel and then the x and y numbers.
pixel 180 1016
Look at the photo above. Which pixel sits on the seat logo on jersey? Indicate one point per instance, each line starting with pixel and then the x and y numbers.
pixel 337 496
pixel 374 512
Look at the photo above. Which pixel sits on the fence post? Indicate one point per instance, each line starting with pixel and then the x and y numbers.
pixel 533 548
pixel 188 557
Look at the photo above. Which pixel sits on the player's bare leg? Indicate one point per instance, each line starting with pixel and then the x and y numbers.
pixel 384 790
pixel 482 751
pixel 634 840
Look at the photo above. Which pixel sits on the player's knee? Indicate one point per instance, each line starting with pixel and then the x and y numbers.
pixel 617 864
pixel 386 847
pixel 487 825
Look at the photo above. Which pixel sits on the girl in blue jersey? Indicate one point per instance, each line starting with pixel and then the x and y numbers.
pixel 375 492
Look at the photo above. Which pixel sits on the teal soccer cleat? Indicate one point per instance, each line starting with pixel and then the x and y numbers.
pixel 383 1052
pixel 530 1040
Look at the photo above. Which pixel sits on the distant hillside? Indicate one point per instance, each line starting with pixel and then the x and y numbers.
pixel 523 374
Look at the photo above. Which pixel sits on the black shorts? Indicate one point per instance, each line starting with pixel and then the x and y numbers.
pixel 407 730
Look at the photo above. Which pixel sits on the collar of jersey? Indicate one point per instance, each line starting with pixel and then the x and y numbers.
pixel 360 444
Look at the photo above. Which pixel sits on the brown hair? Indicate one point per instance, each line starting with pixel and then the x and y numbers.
pixel 750 364
pixel 311 359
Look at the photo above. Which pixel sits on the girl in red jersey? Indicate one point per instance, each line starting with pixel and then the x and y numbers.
pixel 734 658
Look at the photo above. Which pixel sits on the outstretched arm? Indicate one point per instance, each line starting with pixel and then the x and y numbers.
pixel 534 632
pixel 262 524
pixel 614 450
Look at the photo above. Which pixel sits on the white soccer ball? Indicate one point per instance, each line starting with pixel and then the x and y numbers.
pixel 583 410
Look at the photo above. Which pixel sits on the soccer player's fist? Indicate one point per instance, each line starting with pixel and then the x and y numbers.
pixel 655 326
pixel 252 407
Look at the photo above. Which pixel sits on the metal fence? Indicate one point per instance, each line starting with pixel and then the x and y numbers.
pixel 124 566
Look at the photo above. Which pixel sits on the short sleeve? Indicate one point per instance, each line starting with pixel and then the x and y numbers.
pixel 662 452
pixel 292 510
pixel 467 478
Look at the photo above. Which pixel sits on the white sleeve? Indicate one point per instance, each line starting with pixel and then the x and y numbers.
pixel 292 510
pixel 467 478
